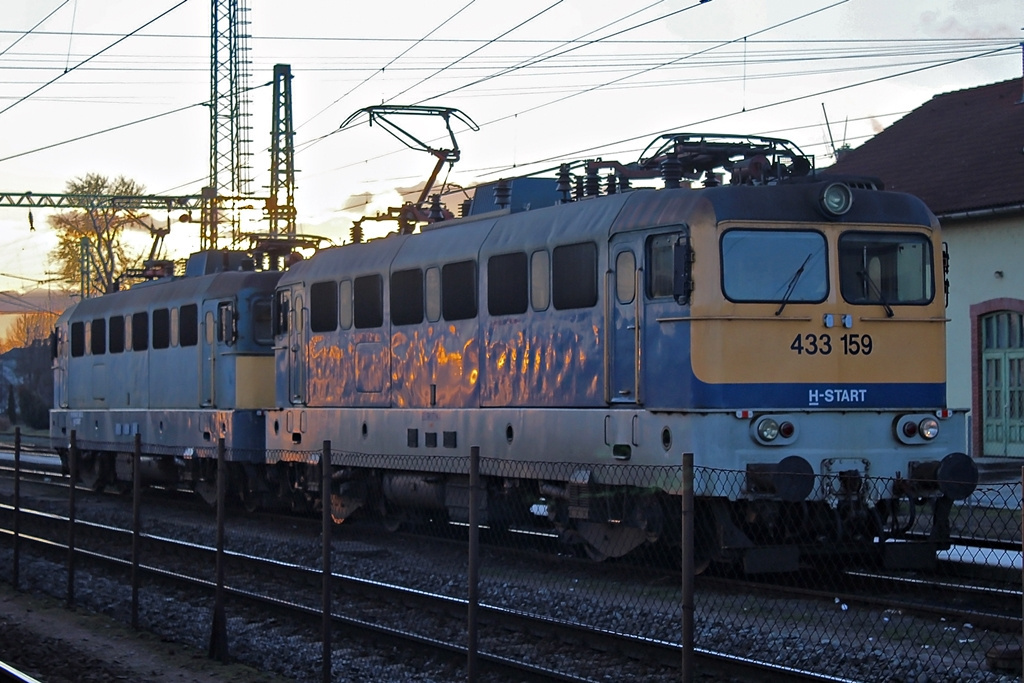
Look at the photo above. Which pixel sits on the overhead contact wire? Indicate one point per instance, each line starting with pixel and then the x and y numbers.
pixel 38 24
pixel 91 57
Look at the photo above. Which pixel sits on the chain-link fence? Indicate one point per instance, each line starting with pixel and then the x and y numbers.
pixel 859 578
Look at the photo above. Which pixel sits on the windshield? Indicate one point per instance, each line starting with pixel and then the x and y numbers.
pixel 783 266
pixel 886 268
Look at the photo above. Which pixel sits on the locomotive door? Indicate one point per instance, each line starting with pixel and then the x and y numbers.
pixel 60 351
pixel 297 350
pixel 623 297
pixel 208 359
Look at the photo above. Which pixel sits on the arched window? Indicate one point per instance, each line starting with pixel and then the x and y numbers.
pixel 1001 346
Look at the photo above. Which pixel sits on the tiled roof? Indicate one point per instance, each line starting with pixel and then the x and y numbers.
pixel 959 151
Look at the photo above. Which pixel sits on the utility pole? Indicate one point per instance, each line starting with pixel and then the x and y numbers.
pixel 230 172
pixel 281 211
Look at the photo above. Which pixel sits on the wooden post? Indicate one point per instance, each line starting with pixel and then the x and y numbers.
pixel 325 505
pixel 474 564
pixel 17 505
pixel 73 473
pixel 688 569
pixel 219 633
pixel 136 526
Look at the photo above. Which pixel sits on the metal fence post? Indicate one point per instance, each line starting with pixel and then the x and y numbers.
pixel 17 505
pixel 73 467
pixel 136 526
pixel 325 505
pixel 219 633
pixel 687 569
pixel 474 563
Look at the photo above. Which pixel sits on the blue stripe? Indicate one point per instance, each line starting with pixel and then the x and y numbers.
pixel 819 396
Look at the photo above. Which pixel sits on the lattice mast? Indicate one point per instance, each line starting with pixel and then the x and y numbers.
pixel 281 203
pixel 230 170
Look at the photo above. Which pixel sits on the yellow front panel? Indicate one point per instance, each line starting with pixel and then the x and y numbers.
pixel 747 343
pixel 254 382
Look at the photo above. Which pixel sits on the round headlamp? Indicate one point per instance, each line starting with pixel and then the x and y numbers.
pixel 928 428
pixel 836 199
pixel 768 429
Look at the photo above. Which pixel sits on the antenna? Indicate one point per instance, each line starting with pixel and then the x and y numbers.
pixel 829 128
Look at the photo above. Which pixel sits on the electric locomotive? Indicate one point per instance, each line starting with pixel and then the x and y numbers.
pixel 785 325
pixel 179 361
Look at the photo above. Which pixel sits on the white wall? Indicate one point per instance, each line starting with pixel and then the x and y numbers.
pixel 977 249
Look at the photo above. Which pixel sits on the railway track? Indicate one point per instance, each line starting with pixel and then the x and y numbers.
pixel 984 606
pixel 385 610
pixel 378 598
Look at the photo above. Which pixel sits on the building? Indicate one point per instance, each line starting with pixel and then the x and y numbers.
pixel 962 152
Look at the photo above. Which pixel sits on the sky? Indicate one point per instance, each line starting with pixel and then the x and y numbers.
pixel 545 81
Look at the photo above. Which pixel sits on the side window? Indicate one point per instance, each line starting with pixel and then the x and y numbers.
pixel 506 284
pixel 262 332
pixel 368 301
pixel 323 306
pixel 407 297
pixel 540 280
pixel 98 337
pixel 669 272
pixel 161 328
pixel 281 312
pixel 115 338
pixel 574 276
pixel 625 277
pixel 432 291
pixel 227 330
pixel 140 331
pixel 77 339
pixel 458 290
pixel 189 324
pixel 346 304
pixel 175 329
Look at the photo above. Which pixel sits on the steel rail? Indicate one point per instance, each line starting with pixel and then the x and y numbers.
pixel 642 649
pixel 9 673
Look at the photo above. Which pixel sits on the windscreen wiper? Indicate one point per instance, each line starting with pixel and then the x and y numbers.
pixel 873 286
pixel 791 286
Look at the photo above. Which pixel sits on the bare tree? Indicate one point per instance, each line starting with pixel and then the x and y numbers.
pixel 103 224
pixel 28 328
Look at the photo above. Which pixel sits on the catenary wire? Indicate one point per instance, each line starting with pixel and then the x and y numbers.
pixel 96 54
pixel 38 24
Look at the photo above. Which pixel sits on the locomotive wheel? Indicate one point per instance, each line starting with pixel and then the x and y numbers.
pixel 92 473
pixel 391 520
pixel 603 540
pixel 207 491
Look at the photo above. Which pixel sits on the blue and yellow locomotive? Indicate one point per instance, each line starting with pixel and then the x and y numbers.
pixel 785 326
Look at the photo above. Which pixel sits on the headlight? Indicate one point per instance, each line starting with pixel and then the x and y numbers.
pixel 768 429
pixel 836 199
pixel 928 428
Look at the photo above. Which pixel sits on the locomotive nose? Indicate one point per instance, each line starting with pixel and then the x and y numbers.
pixel 955 476
pixel 791 479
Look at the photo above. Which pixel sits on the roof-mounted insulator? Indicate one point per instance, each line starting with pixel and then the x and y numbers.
pixel 578 192
pixel 711 179
pixel 592 184
pixel 623 184
pixel 564 185
pixel 356 232
pixel 671 171
pixel 611 184
pixel 465 207
pixel 436 214
pixel 502 194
